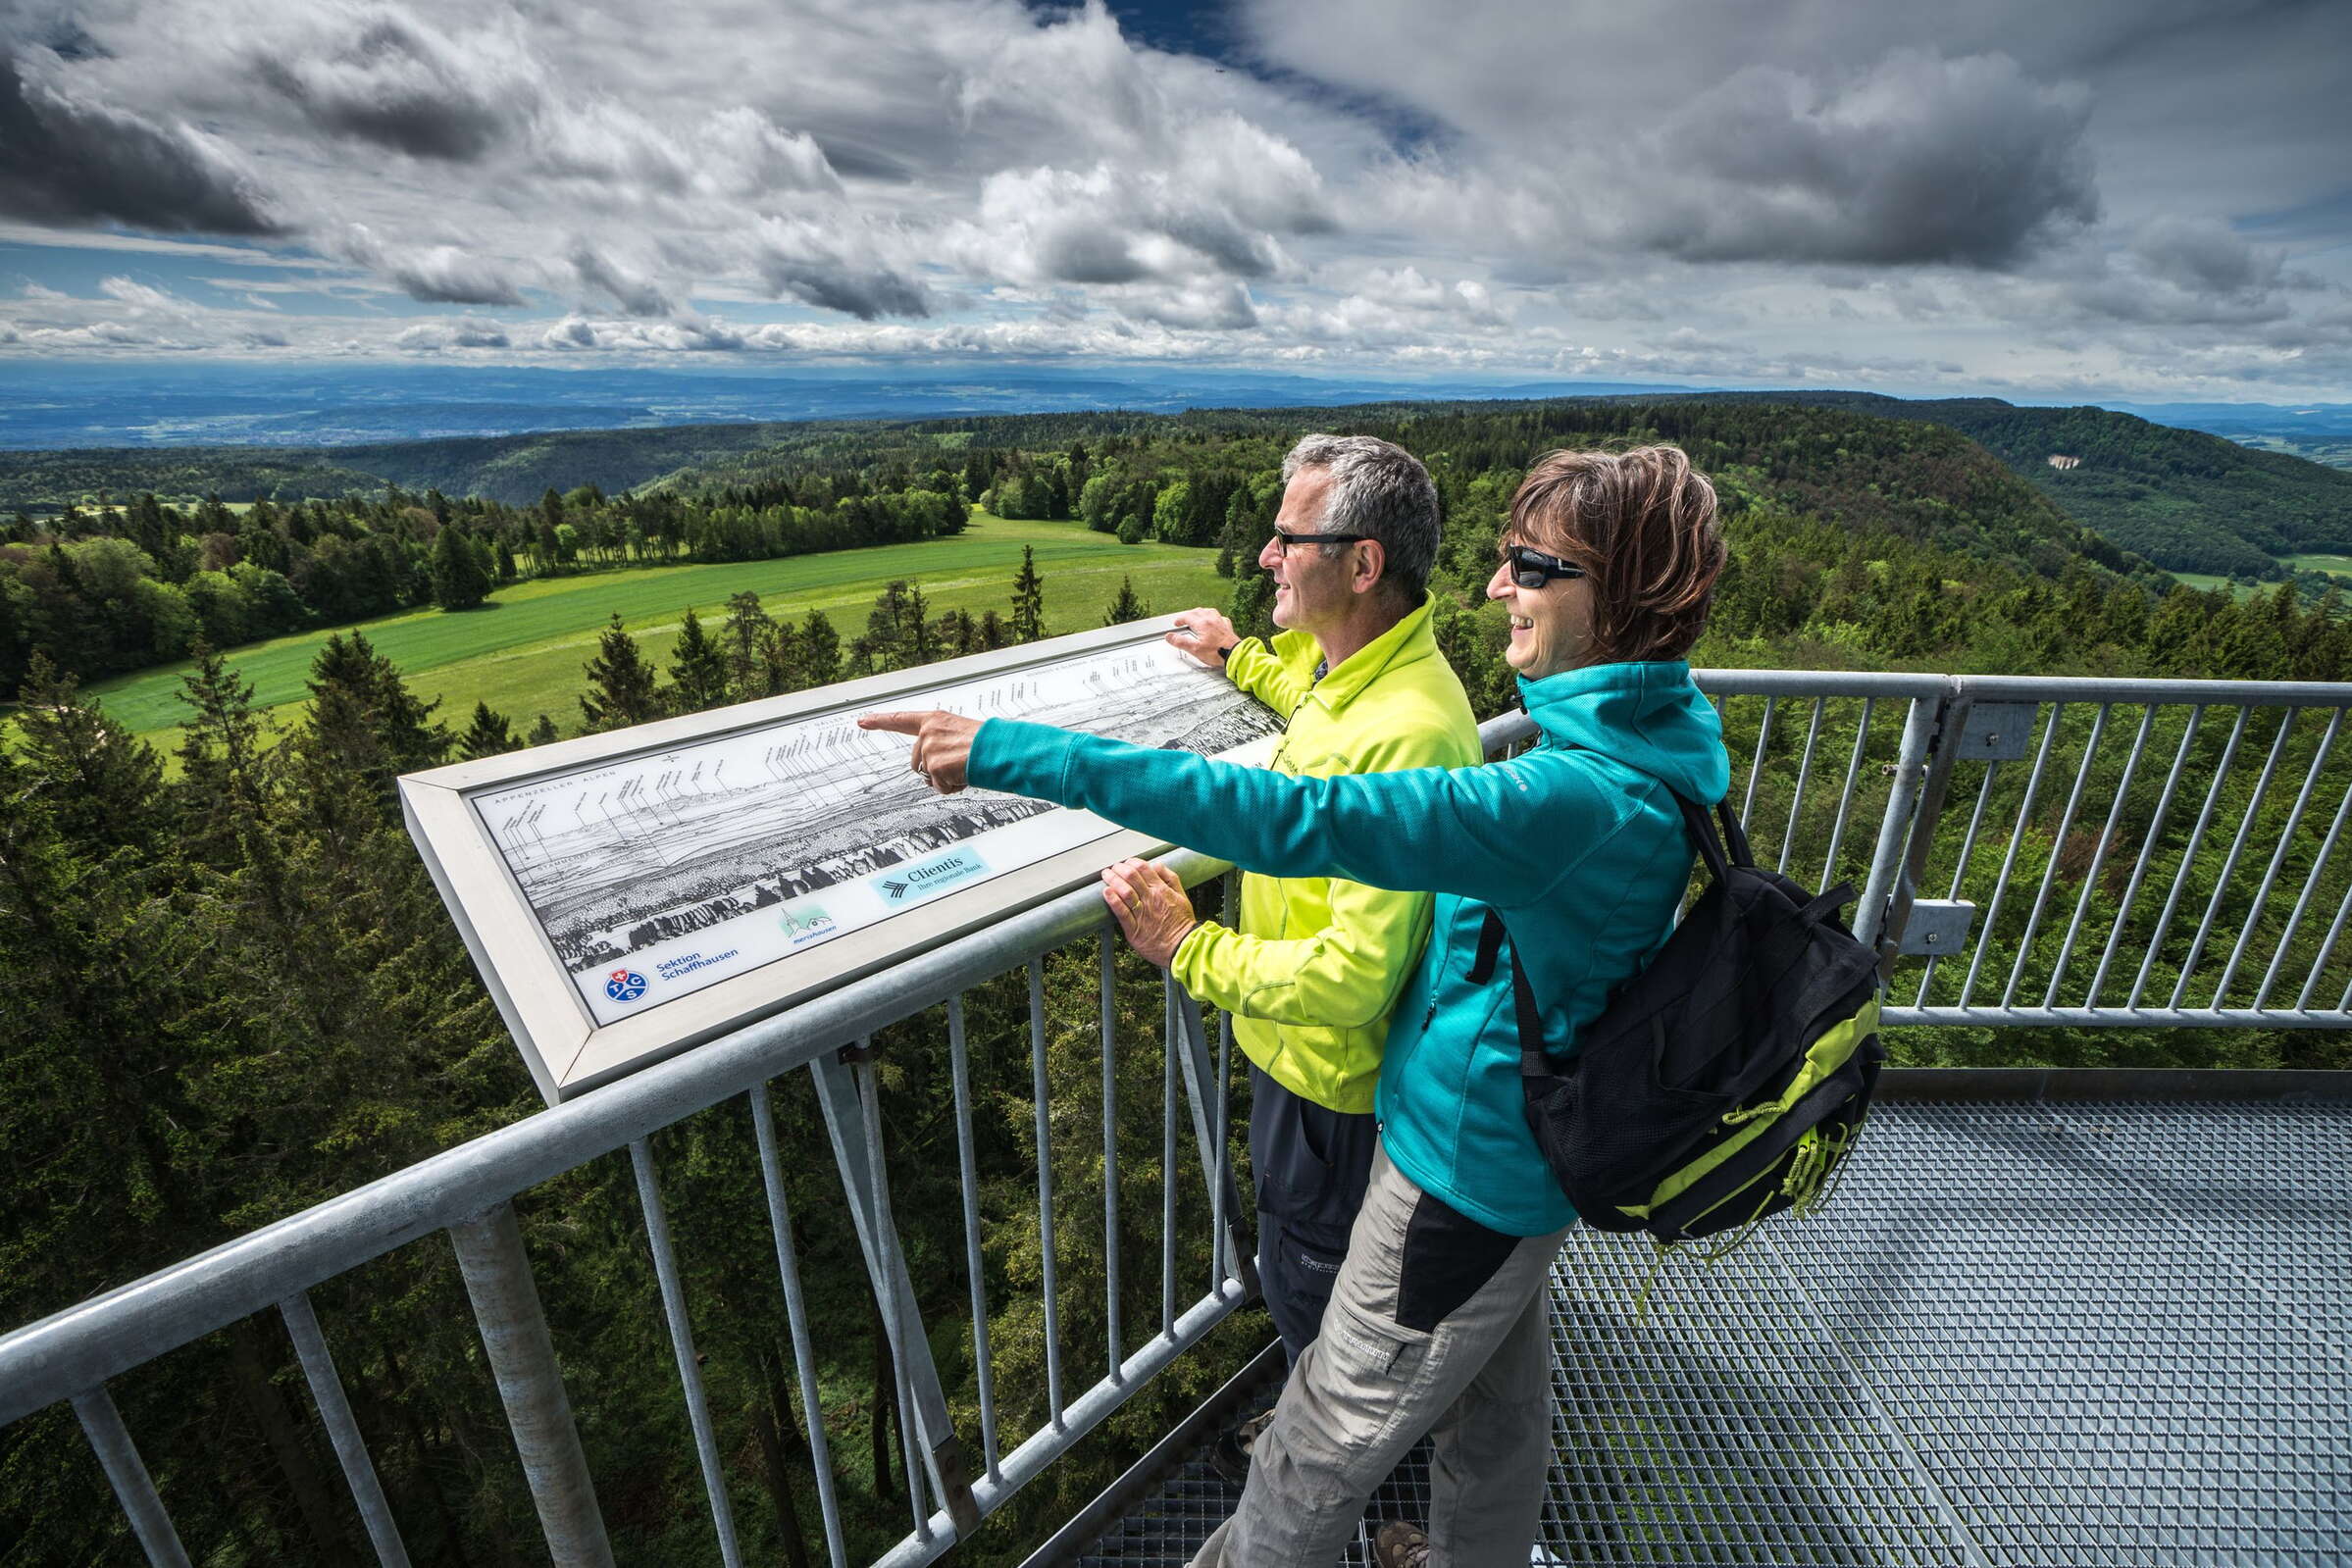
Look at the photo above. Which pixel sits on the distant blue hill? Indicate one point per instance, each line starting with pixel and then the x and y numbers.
pixel 173 404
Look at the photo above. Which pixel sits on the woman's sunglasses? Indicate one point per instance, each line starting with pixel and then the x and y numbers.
pixel 1532 569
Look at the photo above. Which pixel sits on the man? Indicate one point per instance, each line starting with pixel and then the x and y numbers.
pixel 1312 971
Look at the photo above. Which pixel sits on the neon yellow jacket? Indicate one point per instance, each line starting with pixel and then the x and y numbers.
pixel 1313 972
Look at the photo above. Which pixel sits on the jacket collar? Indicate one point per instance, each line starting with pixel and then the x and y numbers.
pixel 1408 641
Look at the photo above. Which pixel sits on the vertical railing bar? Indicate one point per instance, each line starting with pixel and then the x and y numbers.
pixel 127 1473
pixel 2147 854
pixel 796 1310
pixel 1222 1264
pixel 1968 848
pixel 2107 833
pixel 1167 1159
pixel 1796 799
pixel 2310 885
pixel 1044 1184
pixel 2066 823
pixel 1110 1158
pixel 2335 930
pixel 682 1342
pixel 2343 1003
pixel 1845 799
pixel 2237 847
pixel 2009 858
pixel 2188 857
pixel 521 1359
pixel 1764 737
pixel 888 1278
pixel 342 1428
pixel 2099 853
pixel 2270 874
pixel 968 1168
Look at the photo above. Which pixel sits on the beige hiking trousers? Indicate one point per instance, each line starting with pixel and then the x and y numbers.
pixel 1437 1325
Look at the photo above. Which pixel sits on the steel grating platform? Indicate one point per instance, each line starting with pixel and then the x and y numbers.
pixel 2064 1333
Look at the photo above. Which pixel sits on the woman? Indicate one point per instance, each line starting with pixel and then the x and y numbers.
pixel 1438 1318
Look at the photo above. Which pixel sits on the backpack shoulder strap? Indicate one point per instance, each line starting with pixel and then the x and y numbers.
pixel 1492 939
pixel 1710 844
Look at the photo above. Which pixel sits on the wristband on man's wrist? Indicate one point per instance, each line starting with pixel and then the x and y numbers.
pixel 1225 650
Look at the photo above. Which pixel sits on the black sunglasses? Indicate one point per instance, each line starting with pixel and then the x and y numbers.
pixel 1532 569
pixel 1286 538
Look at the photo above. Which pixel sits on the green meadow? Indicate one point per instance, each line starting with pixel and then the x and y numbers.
pixel 523 652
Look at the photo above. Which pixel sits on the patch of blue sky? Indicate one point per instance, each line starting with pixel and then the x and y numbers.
pixel 217 276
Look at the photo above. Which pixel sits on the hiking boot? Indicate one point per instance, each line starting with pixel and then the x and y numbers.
pixel 1401 1545
pixel 1229 1456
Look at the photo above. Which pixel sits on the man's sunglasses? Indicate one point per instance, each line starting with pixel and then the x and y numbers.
pixel 1532 569
pixel 1284 538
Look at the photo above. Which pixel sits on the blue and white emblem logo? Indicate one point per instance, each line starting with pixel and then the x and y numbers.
pixel 624 986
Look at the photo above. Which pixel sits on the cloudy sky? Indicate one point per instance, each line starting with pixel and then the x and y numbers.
pixel 2033 198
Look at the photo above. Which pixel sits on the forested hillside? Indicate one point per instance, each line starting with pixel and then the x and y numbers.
pixel 2186 500
pixel 104 589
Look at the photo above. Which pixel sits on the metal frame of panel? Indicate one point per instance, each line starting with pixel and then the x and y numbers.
pixel 566 1051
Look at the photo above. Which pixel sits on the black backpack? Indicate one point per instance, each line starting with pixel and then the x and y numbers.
pixel 1728 1080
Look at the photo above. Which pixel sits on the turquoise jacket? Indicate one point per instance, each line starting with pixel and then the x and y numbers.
pixel 1577 844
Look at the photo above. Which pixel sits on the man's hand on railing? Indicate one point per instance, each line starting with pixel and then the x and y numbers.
pixel 1152 907
pixel 942 743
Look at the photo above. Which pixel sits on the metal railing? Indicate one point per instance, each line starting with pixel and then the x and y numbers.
pixel 1839 775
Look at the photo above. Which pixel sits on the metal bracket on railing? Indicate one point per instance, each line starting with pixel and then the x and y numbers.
pixel 1937 928
pixel 955 1475
pixel 854 1054
pixel 1996 731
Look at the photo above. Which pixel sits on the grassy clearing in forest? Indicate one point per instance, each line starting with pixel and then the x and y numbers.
pixel 522 653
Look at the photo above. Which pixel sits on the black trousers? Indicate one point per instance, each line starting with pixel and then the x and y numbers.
pixel 1312 1165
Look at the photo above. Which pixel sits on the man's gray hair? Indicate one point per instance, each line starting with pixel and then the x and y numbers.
pixel 1381 491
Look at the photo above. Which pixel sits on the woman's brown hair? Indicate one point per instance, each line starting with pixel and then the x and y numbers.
pixel 1642 524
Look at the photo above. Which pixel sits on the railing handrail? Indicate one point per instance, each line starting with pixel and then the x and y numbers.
pixel 2023 687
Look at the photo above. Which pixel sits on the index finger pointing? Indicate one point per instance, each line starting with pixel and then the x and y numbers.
pixel 905 724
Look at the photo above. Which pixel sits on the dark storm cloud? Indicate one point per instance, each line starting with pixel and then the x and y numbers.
pixel 830 284
pixel 63 162
pixel 1921 159
pixel 635 295
pixel 394 85
pixel 453 279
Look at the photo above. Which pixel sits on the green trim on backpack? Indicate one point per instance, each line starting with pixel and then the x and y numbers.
pixel 1834 1047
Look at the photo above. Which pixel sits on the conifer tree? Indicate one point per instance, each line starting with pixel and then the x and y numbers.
pixel 227 779
pixel 698 672
pixel 364 720
pixel 459 581
pixel 542 732
pixel 750 630
pixel 1028 599
pixel 820 650
pixel 993 632
pixel 1126 607
pixel 487 735
pixel 915 622
pixel 103 784
pixel 622 687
